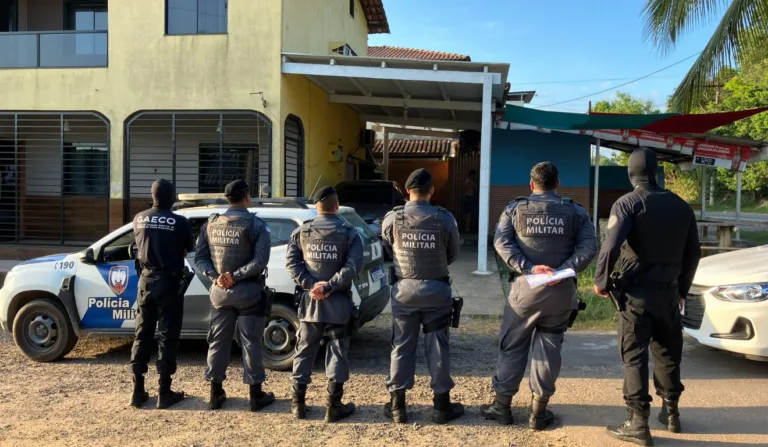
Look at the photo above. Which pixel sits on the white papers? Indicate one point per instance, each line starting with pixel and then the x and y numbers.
pixel 542 278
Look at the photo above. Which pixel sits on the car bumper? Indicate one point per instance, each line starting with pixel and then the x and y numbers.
pixel 741 328
pixel 372 305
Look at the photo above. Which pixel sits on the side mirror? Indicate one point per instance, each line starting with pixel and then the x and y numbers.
pixel 88 257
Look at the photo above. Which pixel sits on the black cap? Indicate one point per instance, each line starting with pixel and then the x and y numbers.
pixel 235 187
pixel 163 194
pixel 420 178
pixel 323 193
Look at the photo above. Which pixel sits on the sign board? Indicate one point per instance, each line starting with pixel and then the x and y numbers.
pixel 724 156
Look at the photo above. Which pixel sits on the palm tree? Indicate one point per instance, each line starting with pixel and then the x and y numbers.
pixel 744 24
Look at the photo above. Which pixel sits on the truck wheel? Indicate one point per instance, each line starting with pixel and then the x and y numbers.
pixel 280 334
pixel 43 331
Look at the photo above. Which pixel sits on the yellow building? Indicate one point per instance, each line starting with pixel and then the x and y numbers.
pixel 101 98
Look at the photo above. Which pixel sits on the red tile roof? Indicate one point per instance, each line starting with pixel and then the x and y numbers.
pixel 412 53
pixel 415 148
pixel 376 17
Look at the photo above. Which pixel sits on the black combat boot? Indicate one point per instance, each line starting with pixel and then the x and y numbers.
pixel 218 396
pixel 395 408
pixel 634 429
pixel 541 418
pixel 445 411
pixel 259 399
pixel 670 416
pixel 499 410
pixel 166 397
pixel 140 395
pixel 337 410
pixel 298 401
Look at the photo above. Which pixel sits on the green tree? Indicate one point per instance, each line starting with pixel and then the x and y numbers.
pixel 744 23
pixel 624 103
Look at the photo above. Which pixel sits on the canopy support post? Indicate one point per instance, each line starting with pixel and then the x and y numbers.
pixel 385 156
pixel 596 192
pixel 738 205
pixel 703 192
pixel 485 179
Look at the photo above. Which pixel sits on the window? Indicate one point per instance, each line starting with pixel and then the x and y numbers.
pixel 86 169
pixel 232 162
pixel 195 16
pixel 344 50
pixel 294 157
pixel 88 17
pixel 119 249
pixel 352 8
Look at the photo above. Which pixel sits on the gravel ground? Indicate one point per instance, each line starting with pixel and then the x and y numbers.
pixel 82 400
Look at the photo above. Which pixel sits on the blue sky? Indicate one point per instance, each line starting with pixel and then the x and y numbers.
pixel 548 41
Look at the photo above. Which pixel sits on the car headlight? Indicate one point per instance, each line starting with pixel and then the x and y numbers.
pixel 742 292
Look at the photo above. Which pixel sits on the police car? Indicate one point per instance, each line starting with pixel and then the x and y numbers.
pixel 49 303
pixel 727 307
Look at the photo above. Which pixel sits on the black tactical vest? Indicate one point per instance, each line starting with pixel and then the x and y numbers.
pixel 546 231
pixel 325 249
pixel 419 246
pixel 230 241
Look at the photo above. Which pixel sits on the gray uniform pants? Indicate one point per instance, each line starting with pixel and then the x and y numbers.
pixel 220 335
pixel 406 323
pixel 525 329
pixel 307 345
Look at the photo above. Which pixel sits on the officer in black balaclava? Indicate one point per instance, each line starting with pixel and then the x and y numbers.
pixel 538 234
pixel 323 257
pixel 162 240
pixel 655 271
pixel 233 252
pixel 422 240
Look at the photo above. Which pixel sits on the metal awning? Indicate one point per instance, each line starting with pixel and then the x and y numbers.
pixel 452 95
pixel 405 92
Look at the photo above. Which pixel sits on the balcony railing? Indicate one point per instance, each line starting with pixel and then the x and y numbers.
pixel 53 49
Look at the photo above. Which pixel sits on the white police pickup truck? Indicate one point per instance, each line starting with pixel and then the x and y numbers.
pixel 49 303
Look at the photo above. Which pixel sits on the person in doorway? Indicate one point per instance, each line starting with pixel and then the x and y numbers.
pixel 233 252
pixel 469 201
pixel 539 234
pixel 422 240
pixel 163 239
pixel 323 257
pixel 652 234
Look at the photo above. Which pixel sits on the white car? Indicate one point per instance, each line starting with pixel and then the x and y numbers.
pixel 727 307
pixel 49 303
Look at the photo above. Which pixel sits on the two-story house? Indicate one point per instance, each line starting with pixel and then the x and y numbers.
pixel 99 98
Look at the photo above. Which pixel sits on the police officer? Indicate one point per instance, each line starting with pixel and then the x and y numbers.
pixel 324 256
pixel 162 240
pixel 538 235
pixel 656 269
pixel 233 252
pixel 422 240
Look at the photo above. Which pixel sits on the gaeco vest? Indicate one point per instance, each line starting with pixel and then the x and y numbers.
pixel 419 249
pixel 230 242
pixel 545 231
pixel 325 249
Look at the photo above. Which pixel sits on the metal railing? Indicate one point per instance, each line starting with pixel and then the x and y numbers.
pixel 54 49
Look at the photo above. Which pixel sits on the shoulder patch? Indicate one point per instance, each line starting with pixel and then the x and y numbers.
pixel 212 218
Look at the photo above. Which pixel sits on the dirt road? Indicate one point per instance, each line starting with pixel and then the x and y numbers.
pixel 82 400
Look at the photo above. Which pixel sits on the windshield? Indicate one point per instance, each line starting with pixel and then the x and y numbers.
pixel 357 193
pixel 365 232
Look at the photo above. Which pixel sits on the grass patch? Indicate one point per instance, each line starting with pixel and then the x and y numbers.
pixel 730 206
pixel 600 313
pixel 756 237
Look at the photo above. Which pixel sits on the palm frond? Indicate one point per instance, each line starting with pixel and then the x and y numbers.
pixel 744 24
pixel 667 20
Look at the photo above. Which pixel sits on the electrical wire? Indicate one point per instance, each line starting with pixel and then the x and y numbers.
pixel 588 80
pixel 620 85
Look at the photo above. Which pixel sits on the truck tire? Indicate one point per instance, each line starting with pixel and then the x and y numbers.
pixel 43 331
pixel 280 332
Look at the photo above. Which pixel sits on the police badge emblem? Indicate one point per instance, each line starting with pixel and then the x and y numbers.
pixel 118 279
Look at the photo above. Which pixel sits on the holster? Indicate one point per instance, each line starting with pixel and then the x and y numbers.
pixel 269 299
pixel 186 279
pixel 354 321
pixel 581 306
pixel 391 277
pixel 456 306
pixel 615 290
